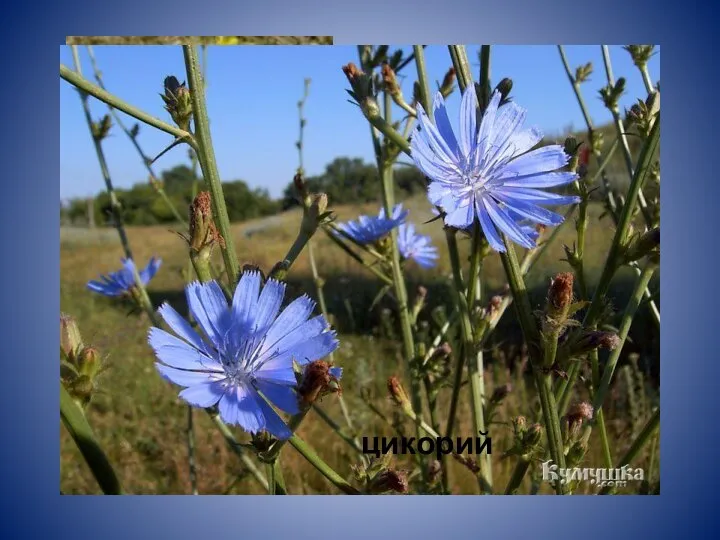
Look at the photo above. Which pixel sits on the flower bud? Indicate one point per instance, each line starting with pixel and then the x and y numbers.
pixel 494 305
pixel 560 296
pixel 70 339
pixel 380 55
pixel 582 73
pixel 594 339
pixel 422 292
pixel 389 79
pixel 610 94
pixel 397 392
pixel 448 83
pixel 531 437
pixel 642 245
pixel 88 362
pixel 575 454
pixel 577 414
pixel 262 441
pixel 352 72
pixel 101 129
pixel 299 182
pixel 467 462
pixel 519 425
pixel 314 212
pixel 389 480
pixel 444 350
pixel 504 87
pixel 81 388
pixel 596 141
pixel 177 102
pixel 500 393
pixel 434 469
pixel 640 54
pixel 279 270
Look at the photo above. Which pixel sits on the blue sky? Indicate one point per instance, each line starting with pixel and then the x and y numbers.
pixel 252 101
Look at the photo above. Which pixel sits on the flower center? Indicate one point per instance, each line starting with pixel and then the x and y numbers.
pixel 238 357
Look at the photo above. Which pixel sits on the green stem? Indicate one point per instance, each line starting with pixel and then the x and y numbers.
pixel 328 472
pixel 475 264
pixel 384 127
pixel 609 195
pixel 484 81
pixel 191 451
pixel 355 256
pixel 348 438
pixel 388 196
pixel 114 202
pixel 318 282
pixel 297 247
pixel 472 355
pixel 323 309
pixel 294 423
pixel 144 158
pixel 465 328
pixel 646 79
pixel 237 447
pixel 276 479
pixel 431 395
pixel 620 129
pixel 422 77
pixel 623 330
pixel 485 485
pixel 75 422
pixel 115 207
pixel 543 379
pixel 206 157
pixel 614 255
pixel 86 86
pixel 521 468
pixel 460 61
pixel 604 441
pixel 564 387
pixel 520 296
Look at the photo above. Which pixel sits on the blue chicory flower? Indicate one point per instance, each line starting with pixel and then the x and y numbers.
pixel 248 348
pixel 416 246
pixel 120 282
pixel 490 171
pixel 369 229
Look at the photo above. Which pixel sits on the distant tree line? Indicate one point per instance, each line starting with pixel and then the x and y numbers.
pixel 346 180
pixel 141 204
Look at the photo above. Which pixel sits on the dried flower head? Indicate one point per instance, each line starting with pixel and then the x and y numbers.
pixel 203 232
pixel 560 294
pixel 319 379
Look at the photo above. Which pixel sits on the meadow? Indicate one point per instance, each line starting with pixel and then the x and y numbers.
pixel 140 421
pixel 543 338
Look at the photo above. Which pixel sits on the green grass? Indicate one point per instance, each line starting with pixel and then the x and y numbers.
pixel 141 423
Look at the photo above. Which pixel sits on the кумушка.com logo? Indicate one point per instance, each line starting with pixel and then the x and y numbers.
pixel 601 477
